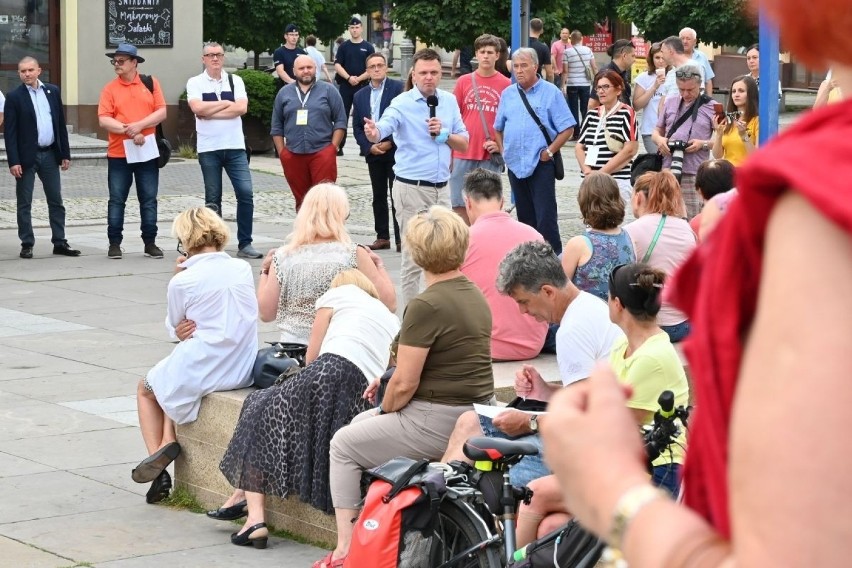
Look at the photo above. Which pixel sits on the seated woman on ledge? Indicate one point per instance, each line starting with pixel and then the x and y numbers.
pixel 294 275
pixel 212 310
pixel 280 444
pixel 644 360
pixel 443 355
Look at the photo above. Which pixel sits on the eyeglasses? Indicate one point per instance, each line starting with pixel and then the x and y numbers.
pixel 687 75
pixel 180 248
pixel 115 62
pixel 603 87
pixel 214 55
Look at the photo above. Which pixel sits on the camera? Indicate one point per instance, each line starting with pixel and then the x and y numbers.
pixel 677 148
pixel 732 117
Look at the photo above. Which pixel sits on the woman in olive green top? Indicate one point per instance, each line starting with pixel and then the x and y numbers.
pixel 443 356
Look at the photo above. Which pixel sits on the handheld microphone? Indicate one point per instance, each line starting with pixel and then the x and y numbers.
pixel 432 103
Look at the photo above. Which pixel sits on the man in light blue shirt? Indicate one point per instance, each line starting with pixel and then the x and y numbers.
pixel 424 146
pixel 689 39
pixel 529 158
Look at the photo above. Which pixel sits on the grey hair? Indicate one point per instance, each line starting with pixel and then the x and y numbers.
pixel 689 31
pixel 690 68
pixel 526 52
pixel 530 266
pixel 210 44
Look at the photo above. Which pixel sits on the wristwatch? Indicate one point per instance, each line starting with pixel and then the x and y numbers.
pixel 549 153
pixel 705 145
pixel 534 423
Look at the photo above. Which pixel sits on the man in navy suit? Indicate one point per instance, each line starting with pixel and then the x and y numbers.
pixel 37 143
pixel 371 102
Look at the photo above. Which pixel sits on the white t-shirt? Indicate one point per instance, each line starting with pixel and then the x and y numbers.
pixel 585 336
pixel 361 329
pixel 649 113
pixel 217 134
pixel 670 86
pixel 318 57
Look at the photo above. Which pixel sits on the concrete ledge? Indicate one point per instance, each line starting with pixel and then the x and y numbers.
pixel 204 443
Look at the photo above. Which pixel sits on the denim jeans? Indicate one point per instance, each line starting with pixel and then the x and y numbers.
pixel 235 164
pixel 120 176
pixel 667 477
pixel 535 201
pixel 530 467
pixel 677 332
pixel 578 102
pixel 48 172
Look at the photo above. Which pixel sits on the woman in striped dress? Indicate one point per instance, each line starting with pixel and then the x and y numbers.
pixel 608 136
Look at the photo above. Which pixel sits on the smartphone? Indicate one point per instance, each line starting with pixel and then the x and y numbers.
pixel 719 109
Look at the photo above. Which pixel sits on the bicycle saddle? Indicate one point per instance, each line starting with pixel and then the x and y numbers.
pixel 483 448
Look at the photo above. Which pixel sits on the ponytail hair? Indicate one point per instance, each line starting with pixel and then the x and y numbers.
pixel 662 193
pixel 639 288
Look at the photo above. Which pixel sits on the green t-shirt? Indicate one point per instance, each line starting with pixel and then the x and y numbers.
pixel 452 319
pixel 653 368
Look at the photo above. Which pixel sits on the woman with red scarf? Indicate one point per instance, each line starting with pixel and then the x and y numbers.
pixel 769 295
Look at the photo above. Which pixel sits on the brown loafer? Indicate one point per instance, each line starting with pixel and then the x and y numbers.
pixel 380 244
pixel 398 247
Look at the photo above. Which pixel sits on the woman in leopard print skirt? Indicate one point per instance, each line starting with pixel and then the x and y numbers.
pixel 281 442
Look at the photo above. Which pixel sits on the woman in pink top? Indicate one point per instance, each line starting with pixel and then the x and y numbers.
pixel 661 237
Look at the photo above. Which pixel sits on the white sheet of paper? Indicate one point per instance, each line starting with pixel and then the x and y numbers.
pixel 492 411
pixel 143 153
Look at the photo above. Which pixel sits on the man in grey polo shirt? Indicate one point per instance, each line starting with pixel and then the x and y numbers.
pixel 308 123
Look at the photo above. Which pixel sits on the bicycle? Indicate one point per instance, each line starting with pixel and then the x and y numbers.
pixel 476 517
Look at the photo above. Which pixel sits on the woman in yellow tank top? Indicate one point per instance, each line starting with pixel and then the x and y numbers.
pixel 737 131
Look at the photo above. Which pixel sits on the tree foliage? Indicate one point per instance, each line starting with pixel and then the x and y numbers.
pixel 258 25
pixel 721 22
pixel 452 24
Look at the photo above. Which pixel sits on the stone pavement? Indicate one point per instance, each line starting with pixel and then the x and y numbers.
pixel 76 334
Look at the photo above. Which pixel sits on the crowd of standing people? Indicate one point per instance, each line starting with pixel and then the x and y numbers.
pixel 478 286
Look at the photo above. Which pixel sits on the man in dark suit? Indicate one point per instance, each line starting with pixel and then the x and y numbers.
pixel 37 143
pixel 371 102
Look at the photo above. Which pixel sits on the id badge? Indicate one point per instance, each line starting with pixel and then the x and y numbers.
pixel 302 117
pixel 592 155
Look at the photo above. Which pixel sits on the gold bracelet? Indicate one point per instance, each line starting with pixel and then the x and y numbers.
pixel 629 504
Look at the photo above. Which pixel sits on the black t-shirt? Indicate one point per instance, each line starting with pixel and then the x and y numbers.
pixel 353 57
pixel 286 57
pixel 625 75
pixel 542 51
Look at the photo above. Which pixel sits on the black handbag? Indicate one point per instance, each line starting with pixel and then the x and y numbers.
pixel 163 145
pixel 278 362
pixel 558 166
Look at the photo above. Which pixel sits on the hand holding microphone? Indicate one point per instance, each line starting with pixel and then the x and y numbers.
pixel 434 125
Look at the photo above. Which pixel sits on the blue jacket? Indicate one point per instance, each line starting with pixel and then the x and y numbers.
pixel 21 132
pixel 361 109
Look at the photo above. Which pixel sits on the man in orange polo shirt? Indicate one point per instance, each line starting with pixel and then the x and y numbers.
pixel 130 112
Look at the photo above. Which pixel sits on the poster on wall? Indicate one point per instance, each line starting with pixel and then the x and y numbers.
pixel 143 23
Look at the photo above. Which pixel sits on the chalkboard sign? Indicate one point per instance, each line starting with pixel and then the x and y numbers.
pixel 143 23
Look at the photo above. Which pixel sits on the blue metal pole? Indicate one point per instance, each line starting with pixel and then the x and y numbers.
pixel 769 95
pixel 516 28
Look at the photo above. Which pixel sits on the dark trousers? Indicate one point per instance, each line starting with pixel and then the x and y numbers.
pixel 578 102
pixel 535 202
pixel 120 176
pixel 381 178
pixel 235 164
pixel 347 93
pixel 48 172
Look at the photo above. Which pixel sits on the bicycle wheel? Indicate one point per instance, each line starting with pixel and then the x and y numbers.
pixel 459 527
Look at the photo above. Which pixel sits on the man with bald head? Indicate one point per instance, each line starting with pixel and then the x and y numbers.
pixel 308 124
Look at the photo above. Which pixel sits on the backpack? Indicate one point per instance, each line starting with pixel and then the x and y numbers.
pixel 568 547
pixel 163 145
pixel 397 521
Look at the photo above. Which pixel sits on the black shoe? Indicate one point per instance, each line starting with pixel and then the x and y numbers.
pixel 114 250
pixel 65 250
pixel 245 539
pixel 398 247
pixel 153 251
pixel 152 466
pixel 159 488
pixel 340 151
pixel 231 513
pixel 26 252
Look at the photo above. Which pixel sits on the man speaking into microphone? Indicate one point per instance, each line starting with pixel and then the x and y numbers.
pixel 426 126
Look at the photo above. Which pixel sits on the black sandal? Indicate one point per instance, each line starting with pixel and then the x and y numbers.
pixel 231 513
pixel 160 488
pixel 151 467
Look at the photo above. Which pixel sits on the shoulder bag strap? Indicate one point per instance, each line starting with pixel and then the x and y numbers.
pixel 580 57
pixel 692 111
pixel 534 116
pixel 654 240
pixel 479 106
pixel 148 81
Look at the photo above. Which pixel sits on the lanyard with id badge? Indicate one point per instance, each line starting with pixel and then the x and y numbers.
pixel 302 113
